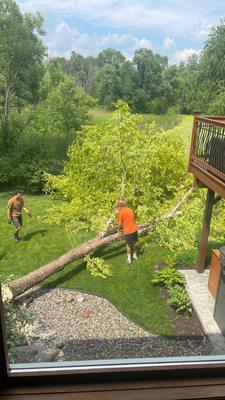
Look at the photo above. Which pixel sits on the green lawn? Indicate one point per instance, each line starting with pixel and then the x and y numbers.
pixel 98 115
pixel 185 128
pixel 165 121
pixel 40 242
pixel 129 288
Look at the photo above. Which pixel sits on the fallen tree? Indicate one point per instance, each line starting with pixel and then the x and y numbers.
pixel 113 160
pixel 18 286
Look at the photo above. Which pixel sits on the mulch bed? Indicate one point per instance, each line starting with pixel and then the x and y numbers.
pixel 183 324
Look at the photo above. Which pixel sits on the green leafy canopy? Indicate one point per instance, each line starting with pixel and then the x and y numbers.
pixel 151 164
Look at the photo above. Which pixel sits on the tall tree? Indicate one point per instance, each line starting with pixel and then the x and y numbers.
pixel 190 85
pixel 149 68
pixel 61 113
pixel 108 85
pixel 21 55
pixel 82 69
pixel 108 81
pixel 110 56
pixel 172 85
pixel 211 77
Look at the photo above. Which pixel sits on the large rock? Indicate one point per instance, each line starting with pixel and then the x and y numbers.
pixel 30 354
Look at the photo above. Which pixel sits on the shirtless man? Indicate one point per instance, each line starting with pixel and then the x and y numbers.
pixel 14 211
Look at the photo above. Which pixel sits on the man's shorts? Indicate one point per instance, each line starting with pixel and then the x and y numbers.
pixel 131 238
pixel 17 221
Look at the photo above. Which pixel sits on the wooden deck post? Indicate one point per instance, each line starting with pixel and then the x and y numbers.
pixel 205 230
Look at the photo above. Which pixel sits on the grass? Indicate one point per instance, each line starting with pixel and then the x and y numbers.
pixel 165 121
pixel 98 115
pixel 129 289
pixel 185 129
pixel 40 242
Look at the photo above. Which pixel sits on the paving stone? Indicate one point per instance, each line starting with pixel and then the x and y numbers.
pixel 203 303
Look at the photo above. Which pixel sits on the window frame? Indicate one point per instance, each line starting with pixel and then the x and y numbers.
pixel 166 380
pixel 4 361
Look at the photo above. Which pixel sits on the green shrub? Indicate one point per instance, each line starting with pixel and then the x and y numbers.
pixel 179 299
pixel 174 282
pixel 16 319
pixel 169 277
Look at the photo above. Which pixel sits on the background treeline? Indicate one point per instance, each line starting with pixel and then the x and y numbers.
pixel 149 84
pixel 44 102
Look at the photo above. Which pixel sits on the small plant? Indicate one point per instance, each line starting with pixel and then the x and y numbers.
pixel 179 299
pixel 169 277
pixel 175 282
pixel 97 267
pixel 16 318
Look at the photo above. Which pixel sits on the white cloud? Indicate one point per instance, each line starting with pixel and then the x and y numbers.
pixel 185 54
pixel 172 17
pixel 169 42
pixel 204 29
pixel 126 25
pixel 65 39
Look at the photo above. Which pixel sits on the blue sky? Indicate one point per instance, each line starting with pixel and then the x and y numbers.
pixel 176 28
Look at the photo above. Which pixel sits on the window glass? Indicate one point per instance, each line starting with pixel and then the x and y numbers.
pixel 109 254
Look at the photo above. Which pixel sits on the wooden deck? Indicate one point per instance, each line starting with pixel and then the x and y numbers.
pixel 207 153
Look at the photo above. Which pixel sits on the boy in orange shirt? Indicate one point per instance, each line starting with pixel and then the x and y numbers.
pixel 129 226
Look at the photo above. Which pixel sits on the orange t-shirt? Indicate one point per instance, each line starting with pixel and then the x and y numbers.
pixel 126 217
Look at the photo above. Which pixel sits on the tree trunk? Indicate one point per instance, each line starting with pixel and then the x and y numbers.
pixel 5 118
pixel 11 78
pixel 18 286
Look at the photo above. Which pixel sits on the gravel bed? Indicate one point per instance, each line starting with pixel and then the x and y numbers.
pixel 84 326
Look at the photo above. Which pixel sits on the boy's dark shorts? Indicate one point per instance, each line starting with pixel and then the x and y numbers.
pixel 17 221
pixel 131 238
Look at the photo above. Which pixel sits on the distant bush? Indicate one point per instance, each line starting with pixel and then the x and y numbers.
pixel 163 121
pixel 24 173
pixel 217 105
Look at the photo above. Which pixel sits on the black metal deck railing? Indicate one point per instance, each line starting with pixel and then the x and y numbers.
pixel 210 143
pixel 207 153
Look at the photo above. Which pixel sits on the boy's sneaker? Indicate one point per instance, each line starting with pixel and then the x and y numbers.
pixel 128 261
pixel 135 257
pixel 15 237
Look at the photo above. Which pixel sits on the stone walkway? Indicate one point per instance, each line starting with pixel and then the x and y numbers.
pixel 203 303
